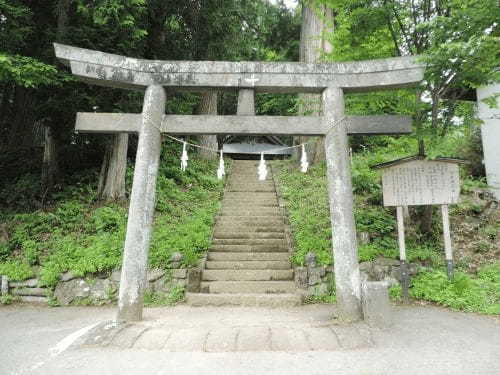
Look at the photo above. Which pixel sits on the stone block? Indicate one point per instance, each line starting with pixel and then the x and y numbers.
pixel 69 291
pixel 4 285
pixel 154 274
pixel 38 292
pixel 310 259
pixel 67 276
pixel 363 238
pixel 396 272
pixel 379 272
pixel 116 275
pixel 366 267
pixel 180 273
pixel 376 305
pixel 193 282
pixel 301 280
pixel 314 275
pixel 30 283
pixel 100 289
pixel 176 257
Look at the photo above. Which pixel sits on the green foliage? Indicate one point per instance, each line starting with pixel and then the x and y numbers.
pixel 396 293
pixel 174 296
pixel 463 293
pixel 15 270
pixel 8 299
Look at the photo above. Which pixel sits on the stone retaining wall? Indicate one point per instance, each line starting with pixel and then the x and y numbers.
pixel 98 288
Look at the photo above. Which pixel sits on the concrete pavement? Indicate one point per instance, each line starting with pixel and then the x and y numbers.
pixel 242 340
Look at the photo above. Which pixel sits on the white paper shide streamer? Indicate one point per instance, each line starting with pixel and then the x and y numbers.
pixel 304 164
pixel 262 169
pixel 184 157
pixel 221 171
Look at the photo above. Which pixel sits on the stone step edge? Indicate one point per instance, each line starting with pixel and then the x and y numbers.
pixel 244 299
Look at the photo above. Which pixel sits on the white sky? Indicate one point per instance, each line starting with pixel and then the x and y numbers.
pixel 289 3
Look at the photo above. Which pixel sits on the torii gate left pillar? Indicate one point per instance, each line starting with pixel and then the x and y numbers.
pixel 133 280
pixel 332 80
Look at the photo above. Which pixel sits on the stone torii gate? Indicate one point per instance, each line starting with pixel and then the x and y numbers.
pixel 330 79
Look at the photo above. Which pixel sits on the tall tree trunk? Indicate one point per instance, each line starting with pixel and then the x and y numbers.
pixel 114 166
pixel 50 165
pixel 316 20
pixel 21 130
pixel 208 106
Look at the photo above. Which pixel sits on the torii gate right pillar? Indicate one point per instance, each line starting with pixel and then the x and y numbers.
pixel 344 241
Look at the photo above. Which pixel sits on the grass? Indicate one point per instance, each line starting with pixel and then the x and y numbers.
pixel 81 235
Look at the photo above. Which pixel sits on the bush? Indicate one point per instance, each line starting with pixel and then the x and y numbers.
pixel 463 293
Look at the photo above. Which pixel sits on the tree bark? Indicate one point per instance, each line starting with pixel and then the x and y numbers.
pixel 113 169
pixel 50 166
pixel 208 106
pixel 316 20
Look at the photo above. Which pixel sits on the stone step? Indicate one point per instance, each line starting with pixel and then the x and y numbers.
pixel 249 195
pixel 266 287
pixel 255 221
pixel 244 299
pixel 247 275
pixel 251 188
pixel 246 228
pixel 264 211
pixel 248 265
pixel 249 241
pixel 249 248
pixel 221 234
pixel 249 182
pixel 250 203
pixel 228 257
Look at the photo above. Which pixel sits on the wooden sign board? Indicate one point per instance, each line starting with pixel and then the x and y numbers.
pixel 421 182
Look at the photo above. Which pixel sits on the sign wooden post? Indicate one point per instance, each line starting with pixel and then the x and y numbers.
pixel 248 77
pixel 447 241
pixel 403 267
pixel 413 181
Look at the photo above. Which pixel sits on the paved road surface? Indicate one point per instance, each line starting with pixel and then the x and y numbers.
pixel 303 340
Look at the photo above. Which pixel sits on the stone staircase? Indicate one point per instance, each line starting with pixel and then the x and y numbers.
pixel 248 263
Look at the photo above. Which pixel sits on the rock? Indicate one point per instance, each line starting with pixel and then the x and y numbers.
pixel 193 283
pixel 301 280
pixel 386 262
pixel 179 273
pixel 67 276
pixel 100 289
pixel 154 274
pixel 363 238
pixel 396 273
pixel 310 259
pixel 66 292
pixel 366 267
pixel 314 275
pixel 319 290
pixel 379 272
pixel 176 257
pixel 158 286
pixel 116 276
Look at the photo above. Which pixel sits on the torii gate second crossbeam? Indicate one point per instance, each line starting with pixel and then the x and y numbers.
pixel 330 79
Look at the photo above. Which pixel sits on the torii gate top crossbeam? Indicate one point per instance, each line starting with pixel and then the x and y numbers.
pixel 124 72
